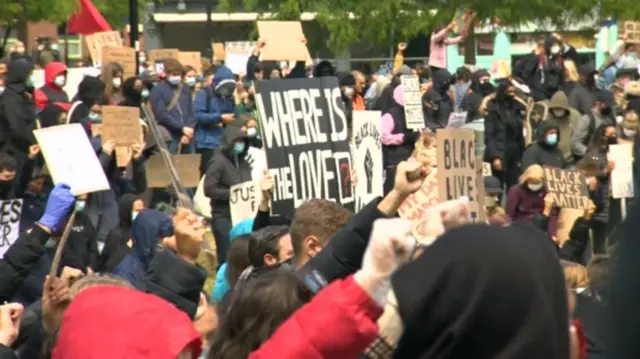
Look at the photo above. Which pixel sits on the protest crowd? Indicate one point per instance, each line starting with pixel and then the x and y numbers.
pixel 178 208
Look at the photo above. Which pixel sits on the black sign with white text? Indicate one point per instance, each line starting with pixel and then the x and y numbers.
pixel 304 131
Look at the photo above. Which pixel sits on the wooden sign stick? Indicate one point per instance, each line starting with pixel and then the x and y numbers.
pixel 61 244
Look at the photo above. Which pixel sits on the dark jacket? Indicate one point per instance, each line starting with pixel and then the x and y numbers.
pixel 16 188
pixel 580 97
pixel 524 204
pixel 393 154
pixel 17 110
pixel 148 229
pixel 503 129
pixel 115 247
pixel 541 153
pixel 226 169
pixel 298 71
pixel 599 156
pixel 90 91
pixel 441 85
pixel 209 125
pixel 179 116
pixel 19 259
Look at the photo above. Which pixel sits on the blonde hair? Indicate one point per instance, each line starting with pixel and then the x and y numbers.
pixel 570 71
pixel 532 172
pixel 575 275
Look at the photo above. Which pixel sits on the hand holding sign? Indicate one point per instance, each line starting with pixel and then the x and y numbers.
pixel 138 149
pixel 108 147
pixel 58 206
pixel 34 151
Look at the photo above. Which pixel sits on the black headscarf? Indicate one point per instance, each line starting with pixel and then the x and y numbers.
pixel 18 75
pixel 90 92
pixel 115 247
pixel 484 292
pixel 132 96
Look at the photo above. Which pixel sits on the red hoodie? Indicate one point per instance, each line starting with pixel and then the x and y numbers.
pixel 108 322
pixel 50 92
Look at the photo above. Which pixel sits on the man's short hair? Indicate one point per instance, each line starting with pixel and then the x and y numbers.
pixel 172 66
pixel 7 163
pixel 265 241
pixel 317 217
pixel 258 67
pixel 599 270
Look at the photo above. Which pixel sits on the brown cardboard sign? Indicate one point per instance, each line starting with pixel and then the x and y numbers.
pixel 457 173
pixel 158 55
pixel 191 58
pixel 219 53
pixel 96 41
pixel 284 40
pixel 125 56
pixel 569 188
pixel 121 124
pixel 188 167
pixel 632 31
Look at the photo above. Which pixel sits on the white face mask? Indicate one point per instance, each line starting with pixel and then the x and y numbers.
pixel 60 80
pixel 174 80
pixel 117 82
pixel 629 133
pixel 558 113
pixel 534 187
pixel 1 90
pixel 252 132
pixel 555 49
pixel 348 91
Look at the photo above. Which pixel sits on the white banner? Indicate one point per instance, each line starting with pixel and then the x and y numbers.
pixel 10 213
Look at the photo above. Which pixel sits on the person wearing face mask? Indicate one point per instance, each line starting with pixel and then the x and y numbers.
pixel 461 86
pixel 55 78
pixel 604 136
pixel 567 118
pixel 601 114
pixel 228 167
pixel 190 79
pixel 492 193
pixel 119 242
pixel 545 151
pixel 431 108
pixel 18 111
pixel 173 108
pixel 112 76
pixel 579 86
pixel 480 88
pixel 525 200
pixel 214 110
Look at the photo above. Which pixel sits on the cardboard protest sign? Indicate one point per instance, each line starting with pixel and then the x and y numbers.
pixel 500 68
pixel 156 56
pixel 632 31
pixel 486 169
pixel 305 136
pixel 367 156
pixel 622 174
pixel 218 51
pixel 284 40
pixel 96 41
pixel 482 213
pixel 457 167
pixel 244 199
pixel 191 58
pixel 71 159
pixel 10 214
pixel 125 56
pixel 414 117
pixel 569 188
pixel 121 124
pixel 414 206
pixel 462 21
pixel 237 55
pixel 188 167
pixel 457 119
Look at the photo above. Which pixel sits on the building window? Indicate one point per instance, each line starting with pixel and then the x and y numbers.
pixel 484 44
pixel 74 45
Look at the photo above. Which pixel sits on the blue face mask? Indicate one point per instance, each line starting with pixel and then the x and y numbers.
pixel 174 80
pixel 190 81
pixel 80 205
pixel 238 147
pixel 552 139
pixel 94 117
pixel 144 94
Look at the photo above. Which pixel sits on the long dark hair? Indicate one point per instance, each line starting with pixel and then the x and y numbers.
pixel 257 308
pixel 599 142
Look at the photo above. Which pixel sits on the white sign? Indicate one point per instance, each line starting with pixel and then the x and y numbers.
pixel 367 156
pixel 257 159
pixel 414 116
pixel 622 174
pixel 457 119
pixel 244 199
pixel 237 55
pixel 71 159
pixel 10 213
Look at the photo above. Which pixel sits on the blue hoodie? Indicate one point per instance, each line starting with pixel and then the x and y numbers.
pixel 209 127
pixel 178 117
pixel 147 230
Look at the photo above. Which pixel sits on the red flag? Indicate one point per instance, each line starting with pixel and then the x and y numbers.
pixel 87 20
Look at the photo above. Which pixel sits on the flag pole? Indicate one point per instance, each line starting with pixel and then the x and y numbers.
pixel 133 30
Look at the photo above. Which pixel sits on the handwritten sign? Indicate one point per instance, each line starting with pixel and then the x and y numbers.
pixel 622 174
pixel 569 188
pixel 457 174
pixel 188 167
pixel 632 31
pixel 284 40
pixel 125 56
pixel 121 124
pixel 71 159
pixel 10 214
pixel 486 169
pixel 457 119
pixel 96 41
pixel 414 117
pixel 244 199
pixel 414 207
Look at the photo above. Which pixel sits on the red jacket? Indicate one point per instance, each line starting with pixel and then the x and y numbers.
pixel 50 92
pixel 339 323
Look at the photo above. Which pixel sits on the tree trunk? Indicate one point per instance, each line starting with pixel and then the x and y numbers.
pixel 5 39
pixel 470 46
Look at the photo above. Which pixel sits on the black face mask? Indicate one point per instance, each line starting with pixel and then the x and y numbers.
pixel 487 88
pixel 606 111
pixel 612 140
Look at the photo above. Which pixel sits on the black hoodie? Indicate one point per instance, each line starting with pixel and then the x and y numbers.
pixel 17 110
pixel 225 170
pixel 541 152
pixel 484 292
pixel 115 247
pixel 90 91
